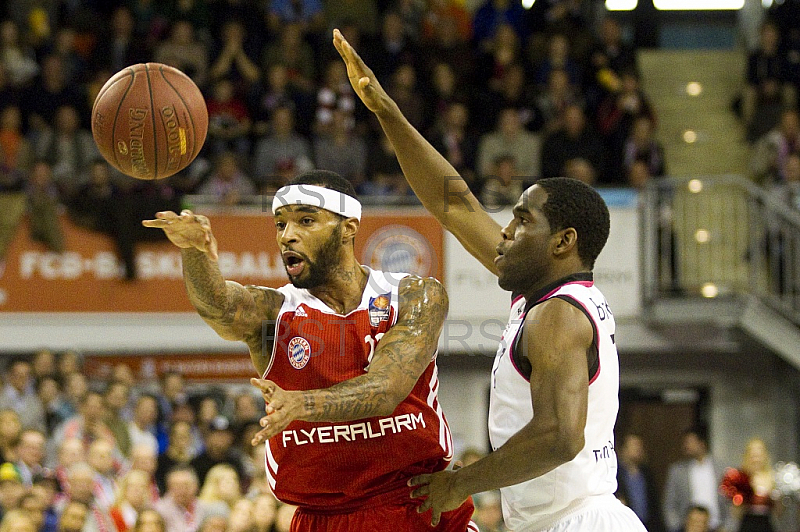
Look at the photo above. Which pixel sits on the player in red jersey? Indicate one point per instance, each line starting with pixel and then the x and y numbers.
pixel 347 357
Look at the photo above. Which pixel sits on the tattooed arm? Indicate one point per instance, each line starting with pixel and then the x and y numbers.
pixel 235 312
pixel 400 358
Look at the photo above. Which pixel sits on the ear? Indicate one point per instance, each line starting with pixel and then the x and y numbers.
pixel 349 229
pixel 565 241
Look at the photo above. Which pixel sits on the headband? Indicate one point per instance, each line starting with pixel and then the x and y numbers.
pixel 324 198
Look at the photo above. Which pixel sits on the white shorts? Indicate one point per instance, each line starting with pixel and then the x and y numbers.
pixel 604 514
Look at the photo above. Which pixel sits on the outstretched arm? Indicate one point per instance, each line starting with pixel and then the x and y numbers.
pixel 234 311
pixel 400 358
pixel 437 184
pixel 555 340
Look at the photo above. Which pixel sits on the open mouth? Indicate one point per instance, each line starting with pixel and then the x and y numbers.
pixel 294 263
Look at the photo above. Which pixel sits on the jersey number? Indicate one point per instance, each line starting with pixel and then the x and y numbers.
pixel 371 342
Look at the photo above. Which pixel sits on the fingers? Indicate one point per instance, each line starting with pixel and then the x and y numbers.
pixel 267 387
pixel 435 518
pixel 458 465
pixel 422 491
pixel 419 480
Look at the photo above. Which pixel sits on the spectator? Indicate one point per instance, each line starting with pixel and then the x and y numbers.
pixel 214 523
pixel 179 452
pixel 767 75
pixel 245 410
pixel 81 489
pixel 502 51
pixel 95 203
pixel 17 521
pixel 65 47
pixel 221 489
pixel 234 59
pixel 101 459
pixel 69 150
pixel 44 491
pixel 179 506
pixel 788 192
pixel 30 452
pixel 360 13
pixel 184 52
pixel 342 150
pixel 133 497
pixel 283 519
pixel 55 407
pixel 34 509
pixel 259 484
pixel 751 488
pixel 17 60
pixel 73 517
pixel 771 151
pixel 282 146
pixel 610 57
pixel 276 92
pixel 142 428
pixel 555 98
pixel 692 481
pixel 75 388
pixel 638 175
pixel 10 429
pixel 291 51
pixel 16 157
pixel 150 520
pixel 492 14
pixel 510 138
pixel 444 90
pixel 43 364
pixel 307 14
pixel 449 13
pixel 69 362
pixel 19 395
pixel 574 141
pixel 616 116
pixel 116 400
pixel 696 520
pixel 88 425
pixel 386 177
pixel 636 486
pixel 582 170
pixel 267 512
pixel 207 411
pixel 227 184
pixel 43 205
pixel 242 518
pixel 172 394
pixel 453 138
pixel 145 459
pixel 514 91
pixel 403 91
pixel 392 47
pixel 558 56
pixel 447 46
pixel 488 512
pixel 643 147
pixel 118 46
pixel 70 452
pixel 218 450
pixel 503 185
pixel 335 93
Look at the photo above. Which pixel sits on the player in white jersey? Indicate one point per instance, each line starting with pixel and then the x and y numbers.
pixel 555 380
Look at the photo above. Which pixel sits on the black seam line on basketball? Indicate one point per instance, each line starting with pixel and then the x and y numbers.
pixel 116 116
pixel 153 112
pixel 185 106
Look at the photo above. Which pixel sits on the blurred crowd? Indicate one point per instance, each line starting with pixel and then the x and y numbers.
pixel 508 95
pixel 120 454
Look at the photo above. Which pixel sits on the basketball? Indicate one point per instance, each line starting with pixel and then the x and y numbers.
pixel 149 121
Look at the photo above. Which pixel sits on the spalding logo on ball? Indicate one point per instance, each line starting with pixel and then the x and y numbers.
pixel 149 121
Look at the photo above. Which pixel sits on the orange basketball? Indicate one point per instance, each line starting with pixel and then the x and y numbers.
pixel 149 121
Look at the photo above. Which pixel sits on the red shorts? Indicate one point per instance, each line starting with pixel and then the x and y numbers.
pixel 387 518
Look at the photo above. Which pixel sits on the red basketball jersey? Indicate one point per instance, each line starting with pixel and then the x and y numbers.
pixel 340 466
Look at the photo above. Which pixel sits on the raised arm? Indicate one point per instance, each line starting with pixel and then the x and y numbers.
pixel 437 184
pixel 400 358
pixel 556 339
pixel 234 311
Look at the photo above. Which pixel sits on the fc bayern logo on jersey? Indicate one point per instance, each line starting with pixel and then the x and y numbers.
pixel 299 352
pixel 398 248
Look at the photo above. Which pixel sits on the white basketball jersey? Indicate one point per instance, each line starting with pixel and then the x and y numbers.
pixel 538 503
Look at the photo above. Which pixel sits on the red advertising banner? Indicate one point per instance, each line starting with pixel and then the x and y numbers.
pixel 87 277
pixel 218 367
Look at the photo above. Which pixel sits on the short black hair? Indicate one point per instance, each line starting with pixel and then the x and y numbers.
pixel 327 179
pixel 573 203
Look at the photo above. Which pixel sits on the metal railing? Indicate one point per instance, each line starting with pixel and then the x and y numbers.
pixel 720 236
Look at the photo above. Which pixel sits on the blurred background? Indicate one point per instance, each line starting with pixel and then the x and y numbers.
pixel 682 113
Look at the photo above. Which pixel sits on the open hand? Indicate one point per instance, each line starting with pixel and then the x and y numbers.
pixel 187 230
pixel 282 408
pixel 361 76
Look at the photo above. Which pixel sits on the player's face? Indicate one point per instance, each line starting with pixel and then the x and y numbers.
pixel 310 240
pixel 523 255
